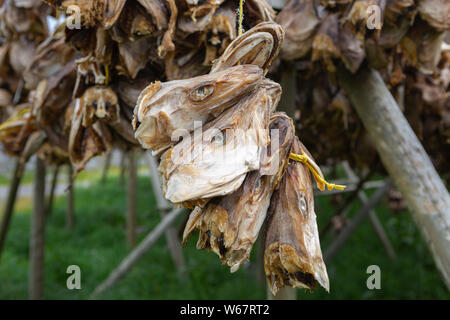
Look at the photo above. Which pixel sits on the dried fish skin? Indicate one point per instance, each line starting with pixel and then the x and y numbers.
pixel 258 46
pixel 50 58
pixel 163 108
pixel 422 46
pixel 14 132
pixel 292 254
pixel 100 103
pixel 86 142
pixel 134 55
pixel 300 21
pixel 93 13
pixel 436 13
pixel 230 225
pixel 257 11
pixel 215 162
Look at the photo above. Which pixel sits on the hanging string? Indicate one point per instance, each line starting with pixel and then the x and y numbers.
pixel 312 167
pixel 106 74
pixel 241 17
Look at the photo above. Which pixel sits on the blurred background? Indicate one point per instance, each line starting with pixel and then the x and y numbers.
pixel 97 244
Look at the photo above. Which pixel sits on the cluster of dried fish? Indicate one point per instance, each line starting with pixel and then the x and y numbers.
pixel 116 48
pixel 402 39
pixel 23 30
pixel 232 164
pixel 202 102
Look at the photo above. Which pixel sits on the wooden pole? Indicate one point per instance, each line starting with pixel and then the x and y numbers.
pixel 123 166
pixel 33 143
pixel 354 223
pixel 405 159
pixel 9 207
pixel 138 252
pixel 376 224
pixel 131 199
pixel 164 207
pixel 106 166
pixel 37 239
pixel 70 210
pixel 51 196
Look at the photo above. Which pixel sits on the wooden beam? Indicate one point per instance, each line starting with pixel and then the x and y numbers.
pixel 9 207
pixel 51 196
pixel 131 199
pixel 376 224
pixel 405 159
pixel 345 234
pixel 164 207
pixel 138 252
pixel 106 165
pixel 37 239
pixel 70 210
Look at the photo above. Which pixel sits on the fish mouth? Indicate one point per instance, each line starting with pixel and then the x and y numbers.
pixel 144 102
pixel 144 130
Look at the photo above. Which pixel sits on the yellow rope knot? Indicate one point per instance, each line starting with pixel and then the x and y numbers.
pixel 303 158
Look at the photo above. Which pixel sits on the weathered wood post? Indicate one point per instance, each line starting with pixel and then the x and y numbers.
pixel 37 239
pixel 164 207
pixel 405 159
pixel 9 207
pixel 70 210
pixel 131 199
pixel 134 256
pixel 106 166
pixel 32 145
pixel 123 167
pixel 51 196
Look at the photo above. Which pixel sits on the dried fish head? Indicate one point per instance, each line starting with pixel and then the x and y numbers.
pixel 14 132
pixel 300 21
pixel 258 46
pixel 436 13
pixel 86 142
pixel 230 225
pixel 100 103
pixel 163 108
pixel 292 254
pixel 215 162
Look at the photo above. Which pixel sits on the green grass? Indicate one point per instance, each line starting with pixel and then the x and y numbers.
pixel 98 245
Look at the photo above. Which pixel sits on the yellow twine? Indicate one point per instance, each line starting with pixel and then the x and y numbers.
pixel 241 16
pixel 306 161
pixel 106 74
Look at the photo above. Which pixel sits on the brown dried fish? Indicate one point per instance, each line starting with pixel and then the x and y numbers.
pixel 300 21
pixel 86 142
pixel 163 108
pixel 258 46
pixel 292 254
pixel 215 162
pixel 230 225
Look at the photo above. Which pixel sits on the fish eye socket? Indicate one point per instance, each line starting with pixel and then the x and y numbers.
pixel 201 93
pixel 219 139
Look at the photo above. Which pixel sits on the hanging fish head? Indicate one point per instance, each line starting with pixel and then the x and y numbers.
pixel 163 108
pixel 214 160
pixel 100 103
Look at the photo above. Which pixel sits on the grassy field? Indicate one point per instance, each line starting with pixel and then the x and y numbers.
pixel 98 245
